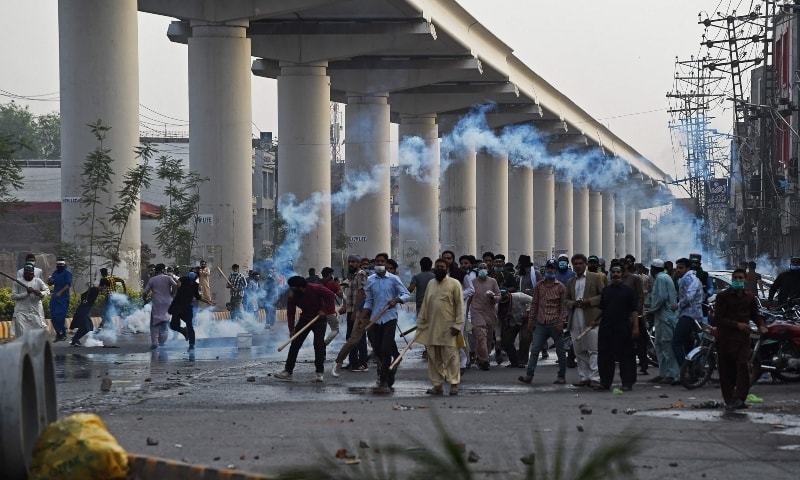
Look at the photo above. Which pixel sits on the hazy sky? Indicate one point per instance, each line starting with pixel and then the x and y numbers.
pixel 614 58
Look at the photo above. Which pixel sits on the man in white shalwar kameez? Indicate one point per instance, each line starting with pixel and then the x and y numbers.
pixel 28 310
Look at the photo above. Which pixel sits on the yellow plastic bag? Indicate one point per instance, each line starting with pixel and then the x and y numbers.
pixel 78 447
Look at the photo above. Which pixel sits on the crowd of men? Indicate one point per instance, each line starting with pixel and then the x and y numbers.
pixel 468 313
pixel 475 311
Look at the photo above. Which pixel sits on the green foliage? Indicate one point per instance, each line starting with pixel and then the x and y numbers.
pixel 6 304
pixel 177 221
pixel 96 176
pixel 75 257
pixel 11 178
pixel 448 461
pixel 39 136
pixel 134 181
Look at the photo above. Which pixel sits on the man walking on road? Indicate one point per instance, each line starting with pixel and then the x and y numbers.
pixel 663 298
pixel 733 310
pixel 356 344
pixel 314 300
pixel 546 321
pixel 483 315
pixel 61 281
pixel 439 324
pixel 27 296
pixel 619 328
pixel 690 308
pixel 383 292
pixel 583 302
pixel 236 284
pixel 160 287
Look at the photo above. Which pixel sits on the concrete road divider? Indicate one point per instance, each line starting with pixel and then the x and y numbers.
pixel 19 415
pixel 41 354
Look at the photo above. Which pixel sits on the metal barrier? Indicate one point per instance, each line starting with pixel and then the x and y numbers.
pixel 19 409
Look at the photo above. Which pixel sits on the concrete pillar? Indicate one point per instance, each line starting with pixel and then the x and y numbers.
pixel 608 226
pixel 367 149
pixel 220 145
pixel 630 229
pixel 637 231
pixel 492 203
pixel 564 218
pixel 581 220
pixel 544 211
pixel 458 196
pixel 596 223
pixel 99 79
pixel 520 201
pixel 419 193
pixel 619 237
pixel 304 152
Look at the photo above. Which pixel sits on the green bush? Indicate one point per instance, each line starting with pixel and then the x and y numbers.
pixel 7 304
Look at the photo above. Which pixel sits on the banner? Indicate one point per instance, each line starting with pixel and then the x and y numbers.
pixel 717 193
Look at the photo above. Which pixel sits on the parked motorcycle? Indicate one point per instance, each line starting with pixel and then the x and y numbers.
pixel 778 351
pixel 701 361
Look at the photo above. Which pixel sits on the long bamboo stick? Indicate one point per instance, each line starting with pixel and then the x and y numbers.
pixel 297 334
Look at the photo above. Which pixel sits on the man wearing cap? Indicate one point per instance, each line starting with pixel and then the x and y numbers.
pixel 787 285
pixel 546 320
pixel 356 345
pixel 583 302
pixel 662 299
pixel 564 274
pixel 593 264
pixel 619 327
pixel 30 259
pixel 27 294
pixel 315 301
pixel 61 281
pixel 160 288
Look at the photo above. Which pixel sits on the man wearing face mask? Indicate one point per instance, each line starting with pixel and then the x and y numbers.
pixel 619 327
pixel 564 274
pixel 787 285
pixel 439 328
pixel 482 314
pixel 314 300
pixel 27 296
pixel 61 281
pixel 593 264
pixel 546 320
pixel 383 292
pixel 356 344
pixel 733 310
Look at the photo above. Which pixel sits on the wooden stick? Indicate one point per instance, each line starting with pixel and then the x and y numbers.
pixel 380 314
pixel 13 279
pixel 297 334
pixel 400 357
pixel 223 276
pixel 583 333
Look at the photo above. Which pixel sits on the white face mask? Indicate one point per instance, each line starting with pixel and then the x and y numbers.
pixel 380 269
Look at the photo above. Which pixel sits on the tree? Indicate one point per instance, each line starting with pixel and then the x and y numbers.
pixel 96 175
pixel 177 221
pixel 11 178
pixel 134 181
pixel 38 136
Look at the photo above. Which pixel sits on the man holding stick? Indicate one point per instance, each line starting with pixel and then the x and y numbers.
pixel 315 301
pixel 583 302
pixel 439 324
pixel 356 345
pixel 27 294
pixel 383 292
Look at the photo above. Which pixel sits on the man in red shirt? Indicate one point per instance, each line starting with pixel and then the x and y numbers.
pixel 314 300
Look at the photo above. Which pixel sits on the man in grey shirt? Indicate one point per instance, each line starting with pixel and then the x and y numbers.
pixel 419 282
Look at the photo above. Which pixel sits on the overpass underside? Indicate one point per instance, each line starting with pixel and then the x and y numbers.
pixel 425 64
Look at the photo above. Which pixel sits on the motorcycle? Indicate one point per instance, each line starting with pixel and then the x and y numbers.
pixel 701 361
pixel 777 351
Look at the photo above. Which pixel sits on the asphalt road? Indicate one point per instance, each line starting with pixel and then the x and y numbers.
pixel 221 407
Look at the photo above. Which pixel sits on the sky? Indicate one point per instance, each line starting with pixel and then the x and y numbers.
pixel 614 58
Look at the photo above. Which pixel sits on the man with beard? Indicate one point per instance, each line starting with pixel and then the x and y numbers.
pixel 383 292
pixel 314 300
pixel 663 298
pixel 619 327
pixel 593 264
pixel 27 294
pixel 633 280
pixel 583 302
pixel 439 328
pixel 356 344
pixel 452 267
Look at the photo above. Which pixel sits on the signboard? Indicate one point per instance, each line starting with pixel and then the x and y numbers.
pixel 205 219
pixel 357 239
pixel 717 193
pixel 72 199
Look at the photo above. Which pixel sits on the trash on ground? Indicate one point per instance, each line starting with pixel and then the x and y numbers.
pixel 753 398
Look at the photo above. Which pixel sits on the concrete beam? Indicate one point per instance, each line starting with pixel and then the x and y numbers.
pixel 449 97
pixel 214 11
pixel 339 27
